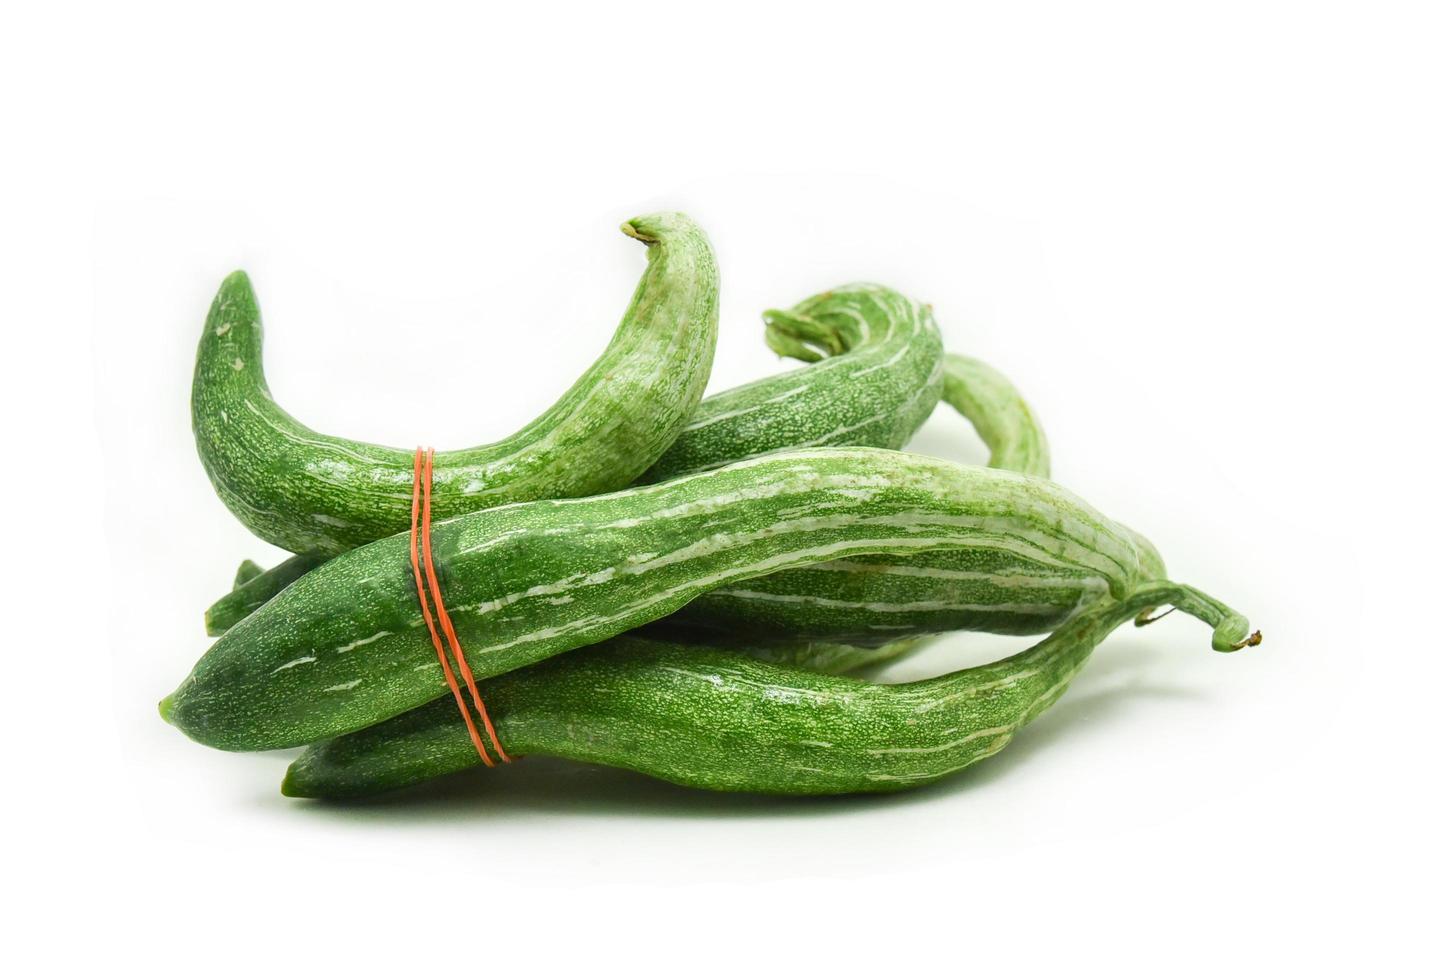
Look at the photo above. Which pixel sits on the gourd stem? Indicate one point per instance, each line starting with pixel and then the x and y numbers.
pixel 792 334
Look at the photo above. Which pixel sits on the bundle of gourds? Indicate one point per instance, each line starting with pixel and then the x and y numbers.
pixel 647 579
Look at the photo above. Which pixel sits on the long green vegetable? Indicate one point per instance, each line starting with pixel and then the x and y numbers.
pixel 724 721
pixel 320 495
pixel 343 647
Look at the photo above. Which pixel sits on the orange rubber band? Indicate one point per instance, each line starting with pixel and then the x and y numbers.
pixel 420 543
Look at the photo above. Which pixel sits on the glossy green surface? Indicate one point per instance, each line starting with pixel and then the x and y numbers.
pixel 344 646
pixel 725 721
pixel 317 494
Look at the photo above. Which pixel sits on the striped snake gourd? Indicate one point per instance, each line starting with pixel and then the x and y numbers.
pixel 343 647
pixel 874 377
pixel 320 495
pixel 722 720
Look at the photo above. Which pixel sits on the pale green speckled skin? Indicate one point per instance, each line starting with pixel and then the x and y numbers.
pixel 1003 419
pixel 344 646
pixel 321 495
pixel 722 720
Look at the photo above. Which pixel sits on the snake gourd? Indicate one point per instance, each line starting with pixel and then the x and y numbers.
pixel 875 376
pixel 320 495
pixel 343 647
pixel 725 721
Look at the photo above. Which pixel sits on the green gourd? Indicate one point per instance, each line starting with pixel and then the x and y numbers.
pixel 320 495
pixel 722 720
pixel 344 646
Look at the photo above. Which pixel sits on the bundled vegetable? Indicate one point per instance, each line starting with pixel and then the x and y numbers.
pixel 344 646
pixel 721 720
pixel 751 561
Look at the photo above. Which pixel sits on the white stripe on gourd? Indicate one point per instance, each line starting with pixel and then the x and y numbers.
pixel 320 495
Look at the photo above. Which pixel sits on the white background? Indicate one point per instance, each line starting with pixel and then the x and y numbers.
pixel 1202 238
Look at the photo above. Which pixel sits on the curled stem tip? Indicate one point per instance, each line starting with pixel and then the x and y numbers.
pixel 792 334
pixel 1254 640
pixel 1229 629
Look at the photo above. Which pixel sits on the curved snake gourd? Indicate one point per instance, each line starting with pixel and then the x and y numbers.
pixel 725 721
pixel 344 647
pixel 874 378
pixel 1002 418
pixel 320 495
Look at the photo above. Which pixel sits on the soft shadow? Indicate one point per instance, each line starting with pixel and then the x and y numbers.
pixel 538 786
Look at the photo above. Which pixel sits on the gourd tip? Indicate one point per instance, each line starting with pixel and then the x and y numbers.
pixel 165 706
pixel 1254 640
pixel 630 229
pixel 1222 640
